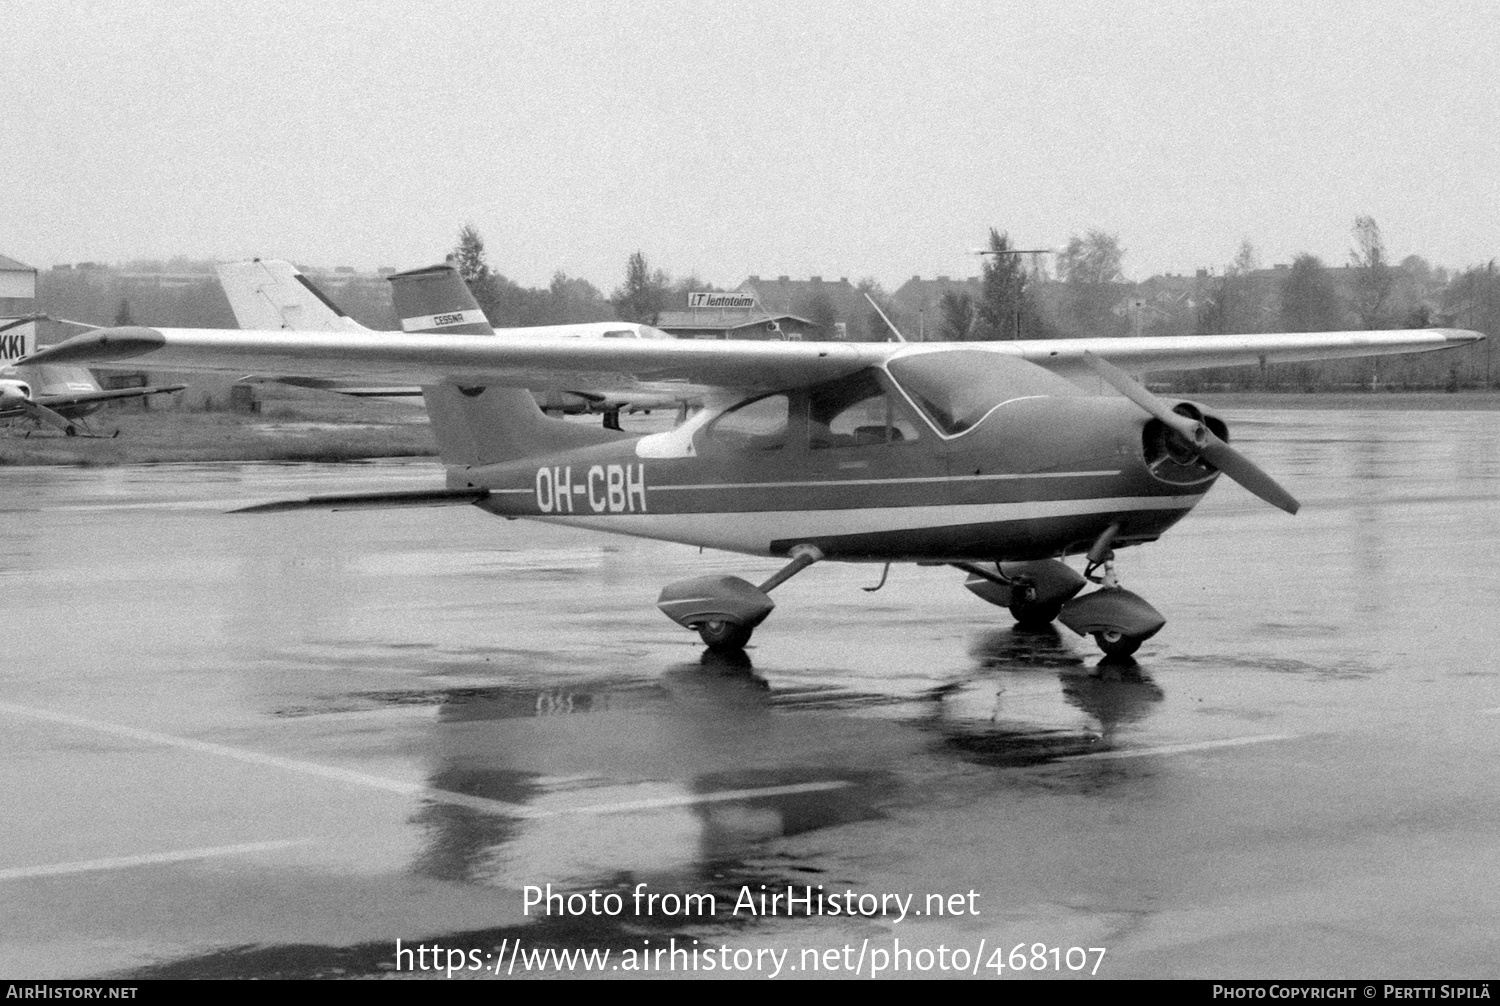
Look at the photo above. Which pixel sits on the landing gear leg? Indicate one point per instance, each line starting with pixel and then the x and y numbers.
pixel 803 556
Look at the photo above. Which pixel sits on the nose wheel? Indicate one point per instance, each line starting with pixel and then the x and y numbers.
pixel 1118 620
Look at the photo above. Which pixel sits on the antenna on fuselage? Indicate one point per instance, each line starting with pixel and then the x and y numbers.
pixel 772 325
pixel 889 324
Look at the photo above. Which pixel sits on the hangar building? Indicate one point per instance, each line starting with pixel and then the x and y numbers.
pixel 735 315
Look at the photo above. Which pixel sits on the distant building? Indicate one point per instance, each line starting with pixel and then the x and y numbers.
pixel 825 304
pixel 156 280
pixel 733 325
pixel 715 314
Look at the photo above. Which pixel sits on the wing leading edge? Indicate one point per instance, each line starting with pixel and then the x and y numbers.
pixel 539 362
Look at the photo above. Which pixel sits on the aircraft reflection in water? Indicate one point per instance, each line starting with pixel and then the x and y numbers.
pixel 685 739
pixel 999 458
pixel 681 741
pixel 1008 720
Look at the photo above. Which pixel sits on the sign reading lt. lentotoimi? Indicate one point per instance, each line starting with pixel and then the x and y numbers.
pixel 703 298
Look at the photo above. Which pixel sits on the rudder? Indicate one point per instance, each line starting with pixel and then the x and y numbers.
pixel 436 299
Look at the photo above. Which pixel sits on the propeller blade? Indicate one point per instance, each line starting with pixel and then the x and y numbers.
pixel 46 415
pixel 1247 473
pixel 1136 392
pixel 1213 450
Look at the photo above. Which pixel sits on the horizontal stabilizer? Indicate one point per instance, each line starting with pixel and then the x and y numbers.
pixel 373 501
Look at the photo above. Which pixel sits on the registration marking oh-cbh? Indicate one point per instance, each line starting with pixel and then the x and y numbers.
pixel 605 489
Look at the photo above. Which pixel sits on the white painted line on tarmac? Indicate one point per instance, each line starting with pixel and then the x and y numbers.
pixel 342 775
pixel 413 789
pixel 1172 749
pixel 149 859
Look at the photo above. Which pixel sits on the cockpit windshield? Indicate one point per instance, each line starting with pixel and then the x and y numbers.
pixel 957 389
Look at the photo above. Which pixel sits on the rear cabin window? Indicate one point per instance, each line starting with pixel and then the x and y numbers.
pixel 958 389
pixel 759 424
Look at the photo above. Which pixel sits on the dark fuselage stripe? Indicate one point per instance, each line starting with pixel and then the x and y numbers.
pixel 877 482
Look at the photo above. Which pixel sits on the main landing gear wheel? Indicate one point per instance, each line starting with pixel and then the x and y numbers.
pixel 1115 643
pixel 1034 615
pixel 723 636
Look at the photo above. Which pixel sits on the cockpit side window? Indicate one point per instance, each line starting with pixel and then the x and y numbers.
pixel 758 425
pixel 856 411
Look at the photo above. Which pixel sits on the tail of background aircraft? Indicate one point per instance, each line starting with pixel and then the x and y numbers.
pixel 473 426
pixel 436 299
pixel 17 339
pixel 269 295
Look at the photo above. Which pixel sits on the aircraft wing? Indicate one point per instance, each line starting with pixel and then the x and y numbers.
pixel 1197 352
pixel 514 359
pixel 85 397
pixel 671 366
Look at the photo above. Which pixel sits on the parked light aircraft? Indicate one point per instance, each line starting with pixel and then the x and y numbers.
pixel 57 395
pixel 271 294
pixel 999 458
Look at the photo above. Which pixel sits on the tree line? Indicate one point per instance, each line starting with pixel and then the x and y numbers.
pixel 1083 292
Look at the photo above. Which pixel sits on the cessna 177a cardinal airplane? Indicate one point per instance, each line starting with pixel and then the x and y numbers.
pixel 996 458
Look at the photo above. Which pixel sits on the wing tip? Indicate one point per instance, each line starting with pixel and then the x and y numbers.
pixel 100 345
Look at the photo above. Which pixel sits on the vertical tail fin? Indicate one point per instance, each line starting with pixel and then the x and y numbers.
pixel 269 294
pixel 436 299
pixel 477 426
pixel 486 426
pixel 17 339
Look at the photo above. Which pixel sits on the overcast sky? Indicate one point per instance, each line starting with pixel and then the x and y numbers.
pixel 833 139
